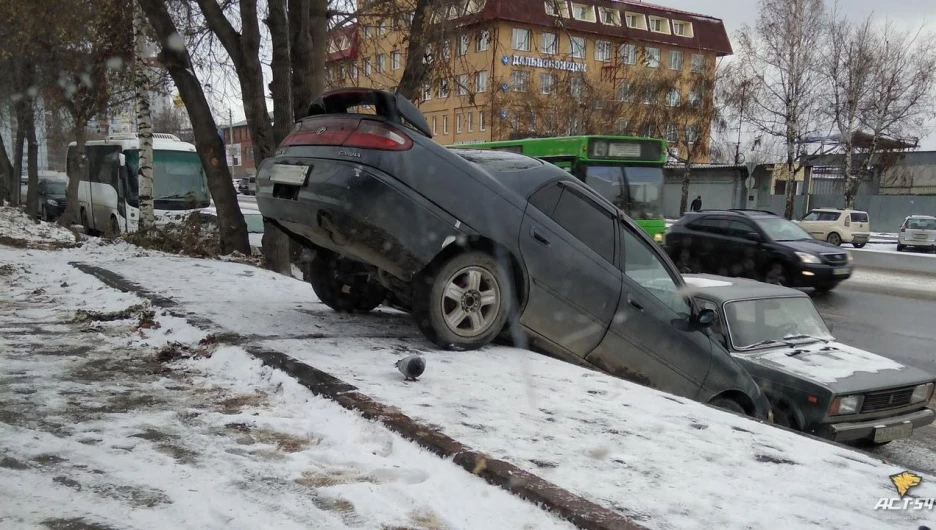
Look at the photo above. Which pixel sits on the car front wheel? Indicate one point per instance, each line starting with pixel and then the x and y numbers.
pixel 344 285
pixel 834 239
pixel 464 303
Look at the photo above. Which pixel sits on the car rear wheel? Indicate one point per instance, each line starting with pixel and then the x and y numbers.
pixel 729 405
pixel 859 245
pixel 900 248
pixel 464 303
pixel 834 239
pixel 343 284
pixel 113 228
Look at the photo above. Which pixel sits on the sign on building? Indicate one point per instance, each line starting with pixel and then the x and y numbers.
pixel 234 155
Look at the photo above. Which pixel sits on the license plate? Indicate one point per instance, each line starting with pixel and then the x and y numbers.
pixel 841 272
pixel 291 174
pixel 920 236
pixel 886 434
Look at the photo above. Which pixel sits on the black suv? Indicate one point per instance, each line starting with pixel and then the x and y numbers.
pixel 756 244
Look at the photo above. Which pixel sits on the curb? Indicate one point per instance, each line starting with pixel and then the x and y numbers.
pixel 573 508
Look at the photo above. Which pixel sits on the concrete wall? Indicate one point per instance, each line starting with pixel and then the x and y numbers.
pixel 887 212
pixel 720 188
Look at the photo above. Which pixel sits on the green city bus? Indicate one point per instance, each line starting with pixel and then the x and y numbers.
pixel 626 170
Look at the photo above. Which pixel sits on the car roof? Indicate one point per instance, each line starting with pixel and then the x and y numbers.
pixel 735 213
pixel 520 173
pixel 920 216
pixel 836 210
pixel 721 289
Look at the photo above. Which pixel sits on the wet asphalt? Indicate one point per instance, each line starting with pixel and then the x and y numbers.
pixel 887 321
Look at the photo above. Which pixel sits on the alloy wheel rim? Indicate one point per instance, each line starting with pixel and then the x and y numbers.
pixel 470 301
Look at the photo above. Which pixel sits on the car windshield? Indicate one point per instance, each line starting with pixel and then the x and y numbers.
pixel 55 187
pixel 767 322
pixel 779 229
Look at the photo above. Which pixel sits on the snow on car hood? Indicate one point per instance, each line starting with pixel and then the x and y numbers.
pixel 838 365
pixel 702 283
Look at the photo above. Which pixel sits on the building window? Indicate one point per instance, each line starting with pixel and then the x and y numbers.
pixel 427 92
pixel 484 40
pixel 649 96
pixel 628 53
pixel 381 62
pixel 659 25
pixel 609 16
pixel 602 51
pixel 698 63
pixel 427 56
pixel 625 93
pixel 695 99
pixel 672 133
pixel 653 57
pixel 577 88
pixel 381 28
pixel 368 68
pixel 481 118
pixel 447 50
pixel 521 39
pixel 557 8
pixel 463 43
pixel 453 13
pixel 692 133
pixel 547 83
pixel 435 123
pixel 683 29
pixel 445 124
pixel 550 43
pixel 481 79
pixel 395 60
pixel 443 88
pixel 577 47
pixel 458 123
pixel 672 98
pixel 367 31
pixel 675 60
pixel 353 69
pixel 635 21
pixel 469 121
pixel 520 80
pixel 621 127
pixel 583 12
pixel 461 85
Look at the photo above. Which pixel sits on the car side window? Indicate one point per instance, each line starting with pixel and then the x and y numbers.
pixel 714 225
pixel 813 216
pixel 859 217
pixel 588 222
pixel 645 268
pixel 829 216
pixel 545 199
pixel 739 229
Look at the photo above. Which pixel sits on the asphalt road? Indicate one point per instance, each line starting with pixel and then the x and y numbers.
pixel 882 320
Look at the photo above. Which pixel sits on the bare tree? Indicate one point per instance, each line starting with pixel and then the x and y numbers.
pixel 173 55
pixel 142 87
pixel 779 58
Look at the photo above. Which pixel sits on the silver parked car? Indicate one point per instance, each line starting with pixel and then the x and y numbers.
pixel 917 231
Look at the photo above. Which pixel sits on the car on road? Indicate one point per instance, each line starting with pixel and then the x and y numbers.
pixel 478 244
pixel 917 231
pixel 252 217
pixel 838 226
pixel 52 198
pixel 815 384
pixel 248 185
pixel 758 245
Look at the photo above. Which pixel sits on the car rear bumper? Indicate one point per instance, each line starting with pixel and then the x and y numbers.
pixel 853 431
pixel 809 275
pixel 913 242
pixel 362 213
pixel 856 237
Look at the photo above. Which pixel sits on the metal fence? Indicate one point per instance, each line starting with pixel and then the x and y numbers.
pixel 887 212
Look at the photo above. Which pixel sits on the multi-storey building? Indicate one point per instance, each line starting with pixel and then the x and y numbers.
pixel 508 68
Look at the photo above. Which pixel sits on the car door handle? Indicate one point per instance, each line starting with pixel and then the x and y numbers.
pixel 539 237
pixel 636 305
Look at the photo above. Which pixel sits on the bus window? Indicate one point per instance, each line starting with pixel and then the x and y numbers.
pixel 103 164
pixel 178 176
pixel 646 187
pixel 608 181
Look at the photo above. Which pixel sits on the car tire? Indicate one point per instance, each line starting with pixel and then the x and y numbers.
pixel 729 405
pixel 900 248
pixel 859 245
pixel 343 284
pixel 465 322
pixel 113 228
pixel 825 287
pixel 776 274
pixel 834 239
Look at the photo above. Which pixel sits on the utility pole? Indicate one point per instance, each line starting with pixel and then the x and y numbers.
pixel 737 153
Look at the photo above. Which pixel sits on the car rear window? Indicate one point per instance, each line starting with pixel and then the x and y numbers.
pixel 859 217
pixel 921 224
pixel 500 161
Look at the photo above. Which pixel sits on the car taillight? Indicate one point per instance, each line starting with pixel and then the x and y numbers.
pixel 360 133
pixel 374 135
pixel 847 222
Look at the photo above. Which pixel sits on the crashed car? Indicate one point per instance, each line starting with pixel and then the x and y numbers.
pixel 815 384
pixel 478 243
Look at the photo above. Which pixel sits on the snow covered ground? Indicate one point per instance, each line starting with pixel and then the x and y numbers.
pixel 93 430
pixel 96 433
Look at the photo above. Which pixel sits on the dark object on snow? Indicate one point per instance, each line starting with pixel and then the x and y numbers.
pixel 411 367
pixel 474 243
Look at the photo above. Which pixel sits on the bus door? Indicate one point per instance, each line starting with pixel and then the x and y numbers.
pixel 103 176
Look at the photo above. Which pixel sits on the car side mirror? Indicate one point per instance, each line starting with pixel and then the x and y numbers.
pixel 704 319
pixel 752 236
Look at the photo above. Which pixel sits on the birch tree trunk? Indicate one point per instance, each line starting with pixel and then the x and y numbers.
pixel 76 166
pixel 141 79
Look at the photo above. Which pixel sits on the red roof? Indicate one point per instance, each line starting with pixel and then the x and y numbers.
pixel 709 33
